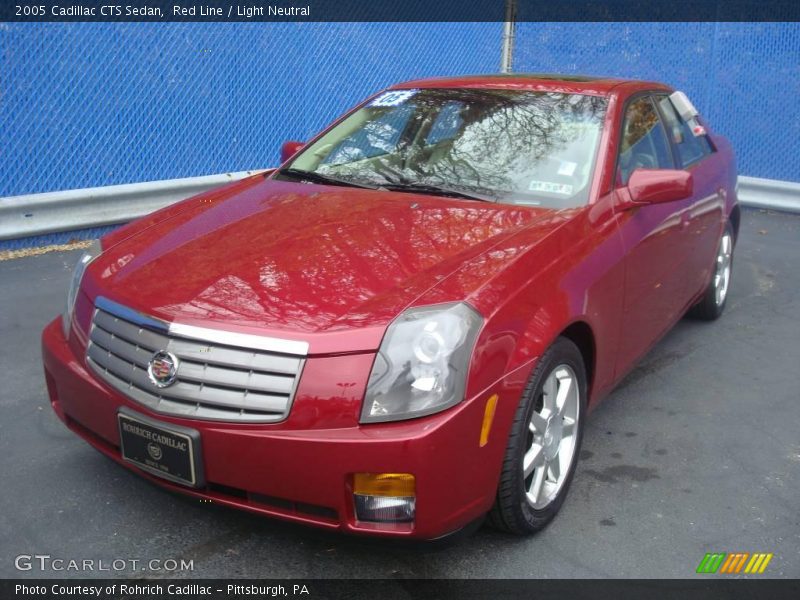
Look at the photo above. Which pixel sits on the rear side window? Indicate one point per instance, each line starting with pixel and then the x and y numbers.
pixel 644 141
pixel 691 148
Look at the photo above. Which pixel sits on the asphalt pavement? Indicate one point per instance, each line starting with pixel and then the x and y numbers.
pixel 697 451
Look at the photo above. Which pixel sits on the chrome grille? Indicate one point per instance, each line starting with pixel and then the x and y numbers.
pixel 221 375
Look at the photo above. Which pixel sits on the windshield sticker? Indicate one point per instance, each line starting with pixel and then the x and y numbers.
pixel 393 98
pixel 550 187
pixel 567 168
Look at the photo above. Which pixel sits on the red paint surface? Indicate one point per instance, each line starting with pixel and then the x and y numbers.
pixel 333 266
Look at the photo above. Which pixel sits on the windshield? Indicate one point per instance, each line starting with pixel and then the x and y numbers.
pixel 510 146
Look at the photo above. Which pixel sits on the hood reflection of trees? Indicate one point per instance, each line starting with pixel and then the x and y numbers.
pixel 344 253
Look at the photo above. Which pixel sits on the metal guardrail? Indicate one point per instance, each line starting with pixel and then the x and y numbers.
pixel 37 214
pixel 769 193
pixel 50 212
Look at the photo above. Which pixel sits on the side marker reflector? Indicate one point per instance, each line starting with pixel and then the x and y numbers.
pixel 488 417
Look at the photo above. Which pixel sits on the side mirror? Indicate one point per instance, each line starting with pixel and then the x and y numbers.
pixel 652 186
pixel 289 149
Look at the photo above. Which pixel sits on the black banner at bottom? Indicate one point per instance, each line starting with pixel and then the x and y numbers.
pixel 400 589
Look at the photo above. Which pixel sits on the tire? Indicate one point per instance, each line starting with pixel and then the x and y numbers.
pixel 518 508
pixel 711 305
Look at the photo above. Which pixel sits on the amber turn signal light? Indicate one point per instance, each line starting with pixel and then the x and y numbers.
pixel 384 497
pixel 384 484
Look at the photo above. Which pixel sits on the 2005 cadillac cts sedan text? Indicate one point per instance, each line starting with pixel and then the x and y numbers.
pixel 403 327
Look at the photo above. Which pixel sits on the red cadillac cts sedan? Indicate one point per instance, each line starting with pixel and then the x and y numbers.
pixel 403 328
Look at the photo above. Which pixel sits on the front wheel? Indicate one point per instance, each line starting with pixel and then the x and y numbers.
pixel 544 442
pixel 712 303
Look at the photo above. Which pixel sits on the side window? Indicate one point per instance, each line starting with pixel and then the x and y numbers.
pixel 377 138
pixel 447 124
pixel 691 148
pixel 644 143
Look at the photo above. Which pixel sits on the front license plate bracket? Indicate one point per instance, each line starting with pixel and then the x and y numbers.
pixel 168 451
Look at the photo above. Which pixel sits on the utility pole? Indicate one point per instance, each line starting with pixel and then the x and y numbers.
pixel 509 31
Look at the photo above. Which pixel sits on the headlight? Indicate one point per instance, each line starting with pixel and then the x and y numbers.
pixel 421 367
pixel 75 284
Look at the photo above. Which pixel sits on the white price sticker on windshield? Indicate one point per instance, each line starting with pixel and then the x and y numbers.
pixel 550 187
pixel 567 168
pixel 393 98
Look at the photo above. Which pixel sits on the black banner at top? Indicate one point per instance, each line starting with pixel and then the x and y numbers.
pixel 396 10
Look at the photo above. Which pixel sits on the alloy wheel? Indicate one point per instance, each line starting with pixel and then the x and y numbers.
pixel 722 272
pixel 552 436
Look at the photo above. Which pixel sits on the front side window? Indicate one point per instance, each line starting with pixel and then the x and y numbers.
pixel 644 143
pixel 510 146
pixel 446 124
pixel 380 138
pixel 691 148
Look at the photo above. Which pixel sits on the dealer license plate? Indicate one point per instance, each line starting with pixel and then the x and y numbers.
pixel 168 451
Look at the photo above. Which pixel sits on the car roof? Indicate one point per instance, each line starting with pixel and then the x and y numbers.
pixel 543 82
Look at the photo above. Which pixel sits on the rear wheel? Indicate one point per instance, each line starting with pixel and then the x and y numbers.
pixel 544 442
pixel 712 303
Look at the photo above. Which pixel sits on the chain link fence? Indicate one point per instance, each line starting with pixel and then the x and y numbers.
pixel 744 77
pixel 92 104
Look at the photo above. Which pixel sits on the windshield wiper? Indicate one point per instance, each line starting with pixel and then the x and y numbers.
pixel 436 190
pixel 314 177
pixel 417 188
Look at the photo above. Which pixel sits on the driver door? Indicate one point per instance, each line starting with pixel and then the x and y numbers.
pixel 656 239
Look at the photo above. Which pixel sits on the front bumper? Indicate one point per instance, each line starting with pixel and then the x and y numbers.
pixel 302 469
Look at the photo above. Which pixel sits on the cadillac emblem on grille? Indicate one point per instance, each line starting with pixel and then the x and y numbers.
pixel 163 368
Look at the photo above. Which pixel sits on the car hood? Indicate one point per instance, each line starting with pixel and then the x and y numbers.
pixel 299 260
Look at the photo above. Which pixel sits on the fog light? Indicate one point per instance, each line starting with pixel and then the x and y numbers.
pixel 384 497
